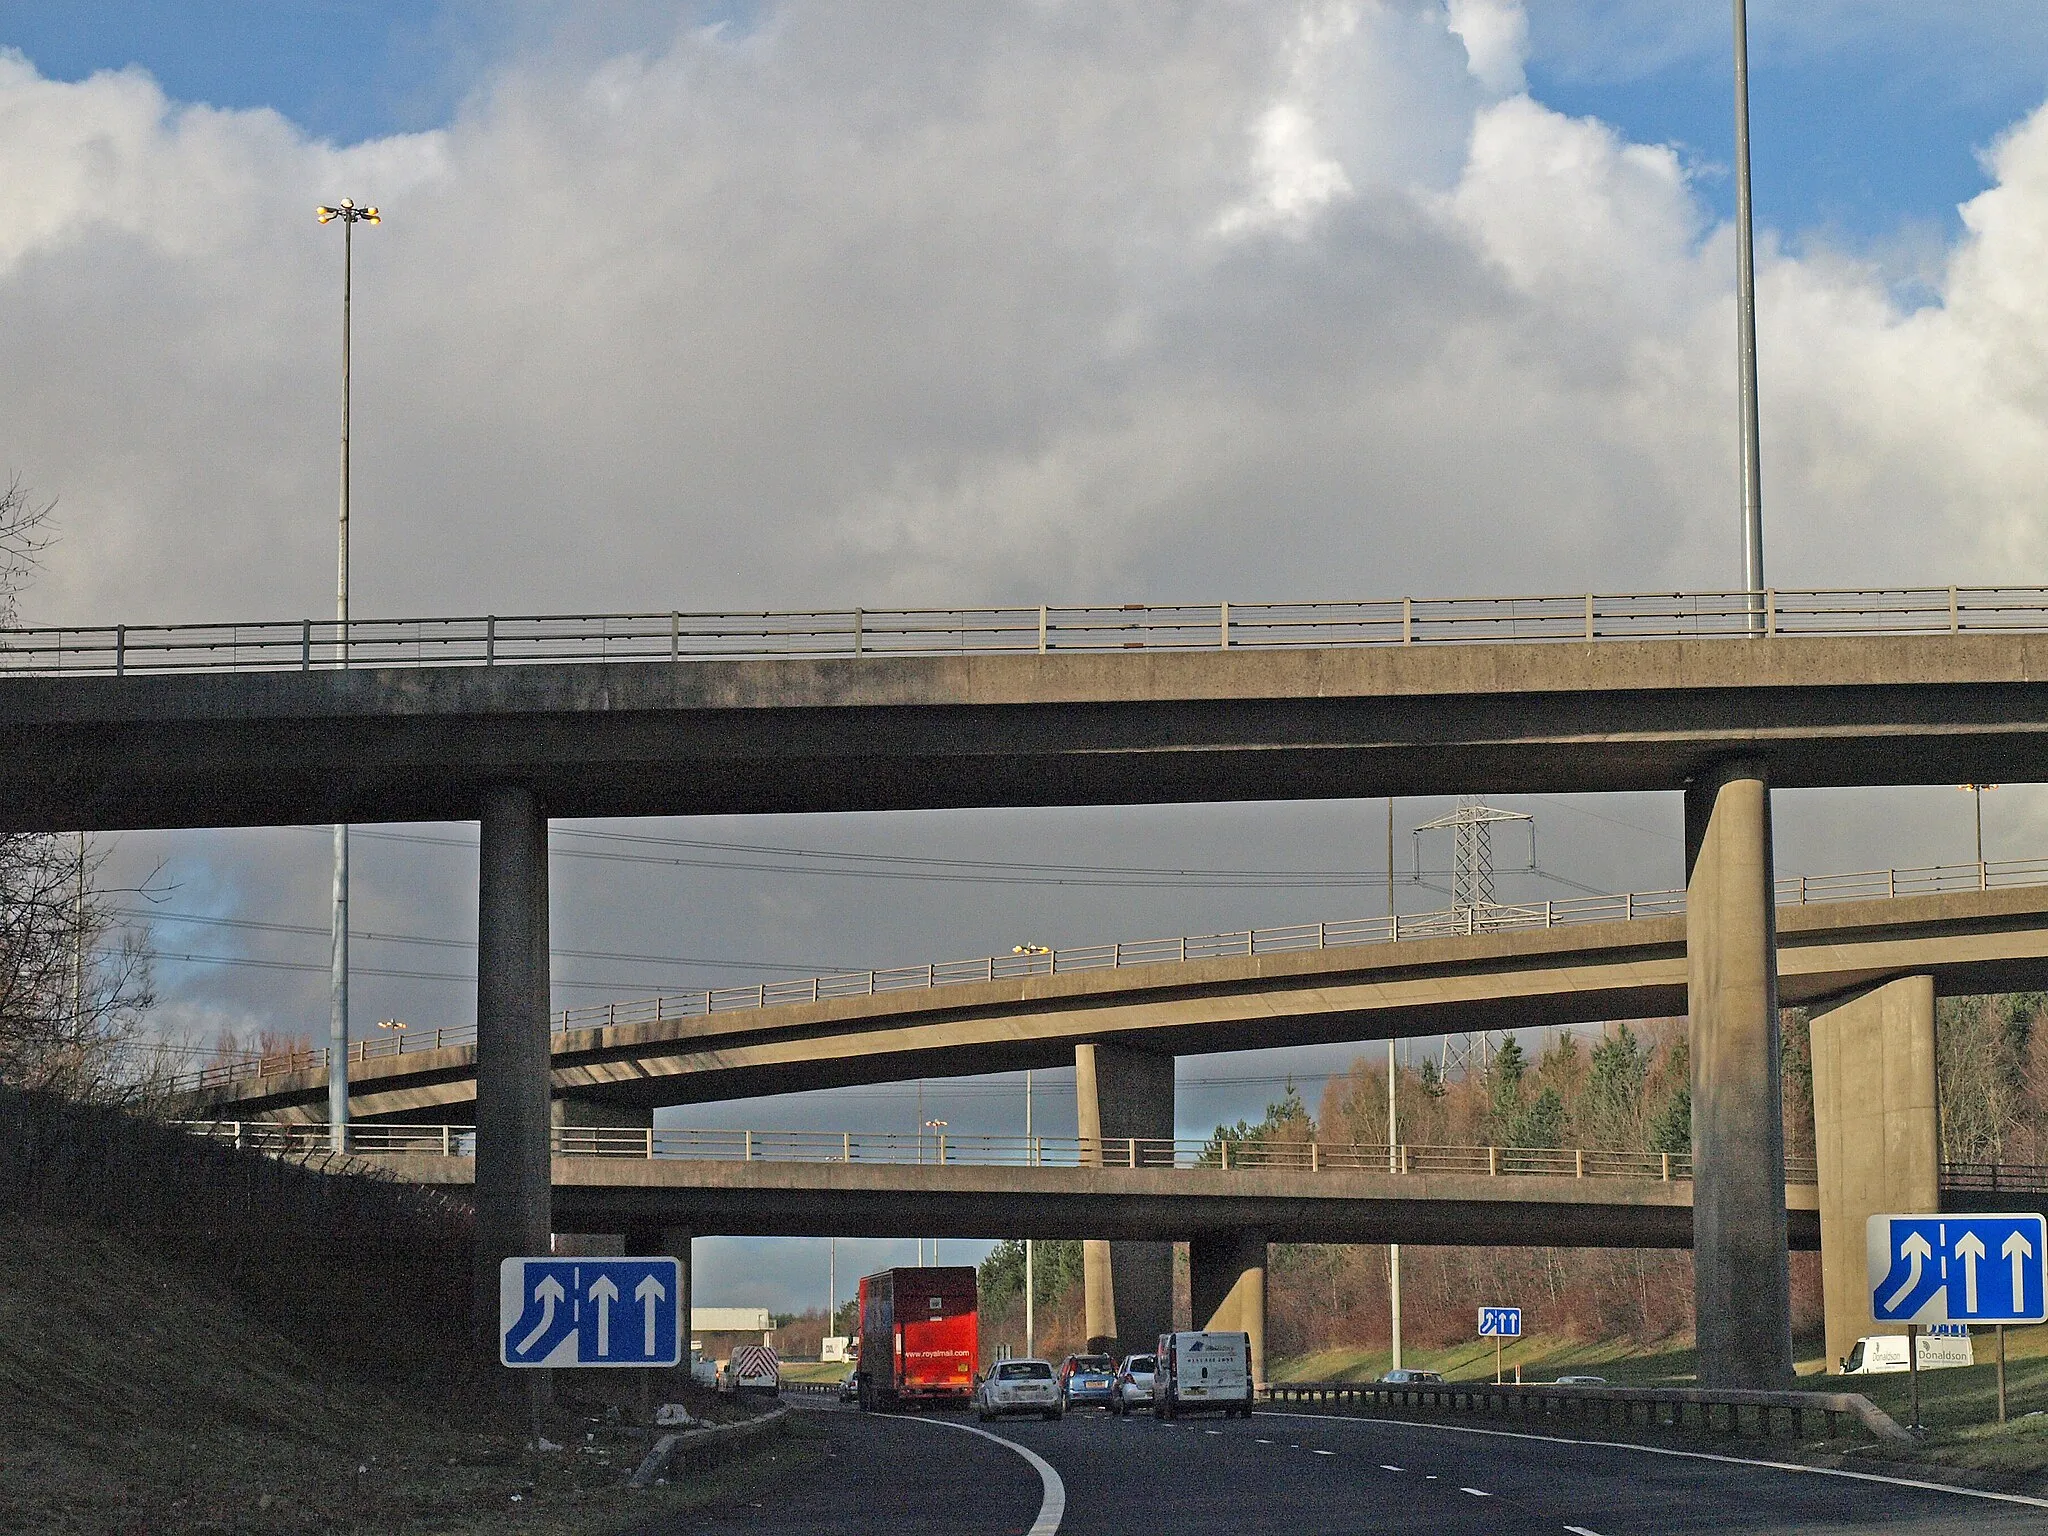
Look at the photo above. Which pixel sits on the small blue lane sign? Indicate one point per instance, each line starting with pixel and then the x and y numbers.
pixel 1500 1323
pixel 1959 1269
pixel 586 1312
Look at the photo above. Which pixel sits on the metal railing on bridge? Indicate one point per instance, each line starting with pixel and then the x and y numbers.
pixel 1498 917
pixel 503 640
pixel 902 1149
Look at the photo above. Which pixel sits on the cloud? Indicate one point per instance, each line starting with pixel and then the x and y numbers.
pixel 1496 38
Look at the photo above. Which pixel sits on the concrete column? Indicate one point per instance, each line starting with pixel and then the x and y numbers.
pixel 1127 1286
pixel 1742 1287
pixel 1227 1284
pixel 1877 1134
pixel 512 1174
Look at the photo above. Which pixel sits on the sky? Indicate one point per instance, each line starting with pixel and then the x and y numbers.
pixel 785 305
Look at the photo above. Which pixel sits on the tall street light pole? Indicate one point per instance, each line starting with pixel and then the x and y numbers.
pixel 1393 1126
pixel 337 1025
pixel 1745 339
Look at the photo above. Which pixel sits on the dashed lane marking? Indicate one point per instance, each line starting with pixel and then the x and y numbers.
pixel 1477 1493
pixel 1052 1506
pixel 1660 1450
pixel 1314 1452
pixel 1580 1530
pixel 1388 1467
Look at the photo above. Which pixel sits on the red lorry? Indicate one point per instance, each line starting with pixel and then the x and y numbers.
pixel 920 1340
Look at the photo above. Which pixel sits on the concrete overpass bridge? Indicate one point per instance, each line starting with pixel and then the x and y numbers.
pixel 1583 960
pixel 658 1190
pixel 610 715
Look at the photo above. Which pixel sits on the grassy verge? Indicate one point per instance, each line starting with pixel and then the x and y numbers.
pixel 1958 1407
pixel 135 1398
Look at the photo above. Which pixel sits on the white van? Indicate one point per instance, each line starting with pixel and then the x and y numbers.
pixel 1942 1346
pixel 1203 1370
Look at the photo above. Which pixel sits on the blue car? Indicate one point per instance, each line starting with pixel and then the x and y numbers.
pixel 1085 1380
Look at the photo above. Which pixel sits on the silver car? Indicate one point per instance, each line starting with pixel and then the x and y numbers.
pixel 1132 1386
pixel 1017 1386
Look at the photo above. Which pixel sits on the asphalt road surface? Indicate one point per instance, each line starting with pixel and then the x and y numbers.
pixel 1296 1475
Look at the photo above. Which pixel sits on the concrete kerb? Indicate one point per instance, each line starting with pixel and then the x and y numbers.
pixel 1664 1407
pixel 699 1446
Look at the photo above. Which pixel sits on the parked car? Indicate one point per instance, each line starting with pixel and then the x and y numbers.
pixel 849 1386
pixel 1085 1379
pixel 1133 1384
pixel 1018 1386
pixel 1582 1381
pixel 1411 1378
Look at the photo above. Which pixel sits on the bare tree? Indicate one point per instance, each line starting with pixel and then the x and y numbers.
pixel 24 535
pixel 74 985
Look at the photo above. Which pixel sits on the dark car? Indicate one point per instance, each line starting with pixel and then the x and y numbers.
pixel 1087 1379
pixel 849 1386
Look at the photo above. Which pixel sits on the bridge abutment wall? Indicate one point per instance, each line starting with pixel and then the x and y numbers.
pixel 1877 1135
pixel 1124 1092
pixel 1741 1282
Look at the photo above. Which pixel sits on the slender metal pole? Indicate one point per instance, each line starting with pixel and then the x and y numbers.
pixel 1030 1274
pixel 1977 793
pixel 1745 339
pixel 78 948
pixel 1393 1249
pixel 2001 1373
pixel 337 1024
pixel 1393 1126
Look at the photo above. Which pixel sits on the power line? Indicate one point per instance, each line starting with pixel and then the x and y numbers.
pixel 805 968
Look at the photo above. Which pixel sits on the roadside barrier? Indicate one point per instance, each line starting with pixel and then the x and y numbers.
pixel 1674 1408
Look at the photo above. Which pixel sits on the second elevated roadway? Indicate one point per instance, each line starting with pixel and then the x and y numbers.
pixel 1311 985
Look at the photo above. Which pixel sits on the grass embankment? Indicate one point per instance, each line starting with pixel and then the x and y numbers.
pixel 815 1370
pixel 1958 1407
pixel 134 1397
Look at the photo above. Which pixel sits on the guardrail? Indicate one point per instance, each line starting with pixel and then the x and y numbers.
pixel 2020 1178
pixel 506 640
pixel 945 1150
pixel 1499 917
pixel 1663 1407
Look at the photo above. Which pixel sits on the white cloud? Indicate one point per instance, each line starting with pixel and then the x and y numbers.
pixel 1496 38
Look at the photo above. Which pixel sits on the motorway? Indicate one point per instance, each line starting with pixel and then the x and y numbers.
pixel 1302 1475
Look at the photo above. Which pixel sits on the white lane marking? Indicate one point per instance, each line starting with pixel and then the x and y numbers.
pixel 1052 1507
pixel 1477 1493
pixel 1659 1450
pixel 1212 1431
pixel 1385 1467
pixel 1580 1530
pixel 1265 1442
pixel 1314 1452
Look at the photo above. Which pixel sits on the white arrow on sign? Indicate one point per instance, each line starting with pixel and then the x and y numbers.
pixel 1916 1250
pixel 647 1293
pixel 2017 1248
pixel 550 1292
pixel 604 1293
pixel 1970 1249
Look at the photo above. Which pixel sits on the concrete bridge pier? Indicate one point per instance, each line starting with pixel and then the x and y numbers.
pixel 1128 1286
pixel 513 1206
pixel 1877 1135
pixel 1742 1287
pixel 1227 1286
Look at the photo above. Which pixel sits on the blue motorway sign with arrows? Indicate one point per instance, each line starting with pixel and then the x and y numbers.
pixel 1500 1323
pixel 587 1312
pixel 1959 1269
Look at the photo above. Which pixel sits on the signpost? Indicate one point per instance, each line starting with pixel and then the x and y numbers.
pixel 1498 1323
pixel 589 1312
pixel 1990 1268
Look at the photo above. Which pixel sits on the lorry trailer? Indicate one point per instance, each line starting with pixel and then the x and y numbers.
pixel 920 1338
